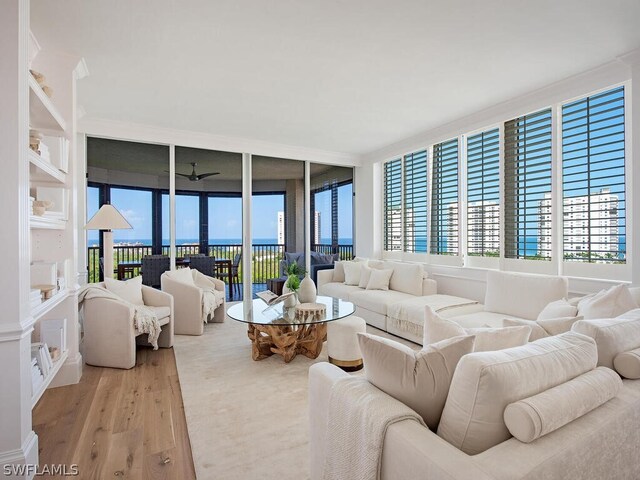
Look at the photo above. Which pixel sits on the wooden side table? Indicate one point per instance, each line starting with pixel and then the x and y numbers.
pixel 275 285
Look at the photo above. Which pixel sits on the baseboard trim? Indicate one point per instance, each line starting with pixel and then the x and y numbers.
pixel 26 455
pixel 70 373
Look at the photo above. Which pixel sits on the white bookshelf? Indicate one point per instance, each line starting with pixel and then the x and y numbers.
pixel 42 112
pixel 46 223
pixel 57 365
pixel 41 170
pixel 48 305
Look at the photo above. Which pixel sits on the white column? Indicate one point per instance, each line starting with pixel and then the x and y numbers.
pixel 172 206
pixel 307 216
pixel 18 443
pixel 247 292
pixel 367 189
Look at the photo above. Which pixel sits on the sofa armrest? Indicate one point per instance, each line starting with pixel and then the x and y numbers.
pixel 413 451
pixel 156 298
pixel 321 378
pixel 324 276
pixel 316 268
pixel 429 286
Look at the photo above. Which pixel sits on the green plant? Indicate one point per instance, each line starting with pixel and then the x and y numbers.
pixel 294 269
pixel 293 283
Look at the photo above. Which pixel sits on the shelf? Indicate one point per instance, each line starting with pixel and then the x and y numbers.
pixel 42 112
pixel 49 304
pixel 57 365
pixel 46 223
pixel 41 170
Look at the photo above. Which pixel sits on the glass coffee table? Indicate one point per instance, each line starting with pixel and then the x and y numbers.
pixel 284 331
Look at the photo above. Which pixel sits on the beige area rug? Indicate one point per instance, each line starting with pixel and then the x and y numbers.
pixel 246 419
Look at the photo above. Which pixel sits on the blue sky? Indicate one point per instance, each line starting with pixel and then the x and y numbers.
pixel 225 215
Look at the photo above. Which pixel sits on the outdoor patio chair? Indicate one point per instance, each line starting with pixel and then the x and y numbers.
pixel 153 266
pixel 205 265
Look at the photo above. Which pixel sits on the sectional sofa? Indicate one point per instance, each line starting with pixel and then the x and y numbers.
pixel 400 310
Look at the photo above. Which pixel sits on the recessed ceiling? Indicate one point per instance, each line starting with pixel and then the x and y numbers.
pixel 349 76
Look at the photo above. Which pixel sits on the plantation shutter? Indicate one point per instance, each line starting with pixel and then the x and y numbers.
pixel 528 215
pixel 393 205
pixel 483 194
pixel 593 178
pixel 415 202
pixel 444 199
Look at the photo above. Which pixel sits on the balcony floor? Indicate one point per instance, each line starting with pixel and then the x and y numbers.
pixel 237 296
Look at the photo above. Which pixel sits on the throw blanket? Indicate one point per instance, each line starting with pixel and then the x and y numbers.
pixel 144 319
pixel 359 415
pixel 211 298
pixel 408 316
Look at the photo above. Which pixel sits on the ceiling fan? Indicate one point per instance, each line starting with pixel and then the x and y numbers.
pixel 193 176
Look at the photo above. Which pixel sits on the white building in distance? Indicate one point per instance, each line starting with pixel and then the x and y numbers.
pixel 280 228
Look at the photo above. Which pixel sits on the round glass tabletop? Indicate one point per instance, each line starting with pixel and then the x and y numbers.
pixel 256 311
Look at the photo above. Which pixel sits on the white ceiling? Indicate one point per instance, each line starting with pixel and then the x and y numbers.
pixel 339 75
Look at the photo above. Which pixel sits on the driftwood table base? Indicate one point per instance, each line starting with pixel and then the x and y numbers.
pixel 286 340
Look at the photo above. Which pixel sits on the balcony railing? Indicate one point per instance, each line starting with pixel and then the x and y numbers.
pixel 345 251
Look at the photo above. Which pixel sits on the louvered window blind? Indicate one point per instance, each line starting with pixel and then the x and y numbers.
pixel 528 212
pixel 415 202
pixel 483 194
pixel 593 178
pixel 393 205
pixel 444 199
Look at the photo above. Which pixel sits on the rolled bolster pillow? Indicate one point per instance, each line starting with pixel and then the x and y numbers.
pixel 533 417
pixel 627 364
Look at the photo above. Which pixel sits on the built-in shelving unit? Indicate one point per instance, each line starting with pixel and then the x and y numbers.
pixel 42 112
pixel 48 305
pixel 57 365
pixel 46 223
pixel 41 170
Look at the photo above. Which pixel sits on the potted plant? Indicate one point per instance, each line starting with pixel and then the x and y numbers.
pixel 292 284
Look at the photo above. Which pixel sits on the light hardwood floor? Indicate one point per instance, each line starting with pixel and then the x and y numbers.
pixel 125 424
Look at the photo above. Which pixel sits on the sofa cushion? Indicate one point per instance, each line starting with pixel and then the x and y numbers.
pixel 627 364
pixel 531 418
pixel 558 309
pixel 556 326
pixel 481 319
pixel 352 272
pixel 511 293
pixel 128 290
pixel 377 301
pixel 379 279
pixel 437 329
pixel 484 383
pixel 338 290
pixel 635 294
pixel 161 312
pixel 537 332
pixel 407 277
pixel 419 379
pixel 613 335
pixel 607 303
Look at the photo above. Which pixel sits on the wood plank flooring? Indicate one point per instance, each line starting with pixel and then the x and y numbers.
pixel 127 424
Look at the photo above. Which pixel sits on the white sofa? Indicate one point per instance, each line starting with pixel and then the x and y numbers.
pixel 508 295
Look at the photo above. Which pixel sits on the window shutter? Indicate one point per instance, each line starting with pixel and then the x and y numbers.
pixel 593 178
pixel 483 194
pixel 415 202
pixel 528 214
pixel 444 199
pixel 393 205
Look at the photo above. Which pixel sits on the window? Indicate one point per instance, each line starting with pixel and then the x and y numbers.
pixel 483 194
pixel 527 149
pixel 187 224
pixel 593 178
pixel 393 205
pixel 135 205
pixel 93 205
pixel 444 199
pixel 225 220
pixel 415 202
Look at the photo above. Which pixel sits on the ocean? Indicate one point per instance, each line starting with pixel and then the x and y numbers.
pixel 212 241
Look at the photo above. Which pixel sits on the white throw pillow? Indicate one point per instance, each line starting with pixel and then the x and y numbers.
pixel 379 279
pixel 352 272
pixel 635 293
pixel 183 275
pixel 537 332
pixel 338 272
pixel 419 379
pixel 437 329
pixel 365 274
pixel 607 303
pixel 556 326
pixel 407 277
pixel 558 309
pixel 129 290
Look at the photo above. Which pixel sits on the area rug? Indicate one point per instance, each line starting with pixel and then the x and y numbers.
pixel 246 419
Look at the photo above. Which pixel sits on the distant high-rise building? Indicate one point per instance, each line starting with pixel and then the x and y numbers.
pixel 316 228
pixel 483 235
pixel 590 225
pixel 280 228
pixel 394 225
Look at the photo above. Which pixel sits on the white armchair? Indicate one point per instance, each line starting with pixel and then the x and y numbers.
pixel 109 331
pixel 188 289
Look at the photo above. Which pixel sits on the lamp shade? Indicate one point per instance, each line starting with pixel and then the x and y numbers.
pixel 107 218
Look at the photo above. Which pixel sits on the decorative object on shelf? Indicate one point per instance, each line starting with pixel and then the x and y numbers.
pixel 108 218
pixel 307 292
pixel 35 139
pixel 47 290
pixel 317 311
pixel 40 78
pixel 40 207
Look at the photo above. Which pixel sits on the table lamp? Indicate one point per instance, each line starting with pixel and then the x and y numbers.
pixel 108 218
